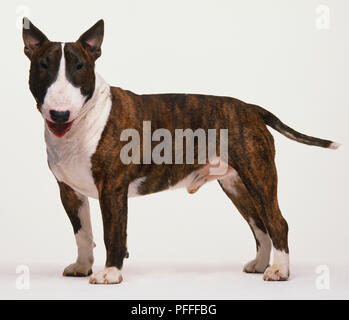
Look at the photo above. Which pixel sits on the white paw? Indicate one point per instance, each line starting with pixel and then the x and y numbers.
pixel 77 270
pixel 276 272
pixel 255 266
pixel 111 275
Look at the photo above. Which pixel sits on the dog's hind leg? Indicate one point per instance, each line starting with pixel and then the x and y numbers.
pixel 258 173
pixel 77 208
pixel 238 194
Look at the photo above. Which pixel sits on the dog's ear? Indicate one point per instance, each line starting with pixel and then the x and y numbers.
pixel 33 38
pixel 92 39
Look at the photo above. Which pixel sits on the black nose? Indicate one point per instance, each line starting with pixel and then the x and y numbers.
pixel 59 116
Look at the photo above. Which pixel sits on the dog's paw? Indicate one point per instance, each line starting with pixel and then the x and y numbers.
pixel 255 266
pixel 276 272
pixel 111 275
pixel 77 270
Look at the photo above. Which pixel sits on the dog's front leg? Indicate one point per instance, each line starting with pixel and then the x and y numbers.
pixel 77 208
pixel 113 203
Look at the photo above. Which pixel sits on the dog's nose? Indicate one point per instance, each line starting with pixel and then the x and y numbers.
pixel 59 116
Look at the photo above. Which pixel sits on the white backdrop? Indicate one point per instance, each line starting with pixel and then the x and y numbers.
pixel 272 53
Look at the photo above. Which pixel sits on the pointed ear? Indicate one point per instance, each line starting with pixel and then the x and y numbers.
pixel 33 38
pixel 92 39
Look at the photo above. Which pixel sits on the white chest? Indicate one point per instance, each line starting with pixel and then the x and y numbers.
pixel 70 162
pixel 69 157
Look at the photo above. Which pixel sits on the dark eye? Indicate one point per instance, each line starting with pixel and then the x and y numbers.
pixel 44 65
pixel 79 66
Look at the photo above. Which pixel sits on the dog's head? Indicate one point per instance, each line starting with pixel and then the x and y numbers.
pixel 62 77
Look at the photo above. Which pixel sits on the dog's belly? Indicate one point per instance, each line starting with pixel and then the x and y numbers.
pixel 192 182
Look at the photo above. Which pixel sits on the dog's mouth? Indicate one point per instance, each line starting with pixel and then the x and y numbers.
pixel 59 129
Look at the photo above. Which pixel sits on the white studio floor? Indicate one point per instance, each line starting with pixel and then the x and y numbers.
pixel 176 281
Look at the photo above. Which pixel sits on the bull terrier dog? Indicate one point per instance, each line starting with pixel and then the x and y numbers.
pixel 88 124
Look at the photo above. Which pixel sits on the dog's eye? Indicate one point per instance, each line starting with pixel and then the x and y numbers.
pixel 44 65
pixel 79 66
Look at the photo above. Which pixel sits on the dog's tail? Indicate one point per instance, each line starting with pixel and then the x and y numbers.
pixel 274 122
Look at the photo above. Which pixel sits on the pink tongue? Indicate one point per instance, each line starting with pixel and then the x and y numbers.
pixel 59 129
